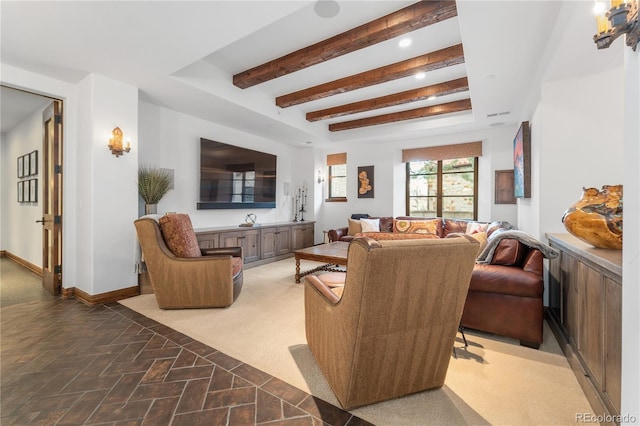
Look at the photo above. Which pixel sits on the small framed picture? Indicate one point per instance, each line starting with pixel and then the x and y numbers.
pixel 26 166
pixel 26 191
pixel 33 163
pixel 20 193
pixel 33 190
pixel 21 166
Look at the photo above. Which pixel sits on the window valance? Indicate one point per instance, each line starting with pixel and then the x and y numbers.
pixel 442 152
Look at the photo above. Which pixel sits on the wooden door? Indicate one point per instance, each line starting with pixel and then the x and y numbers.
pixel 52 198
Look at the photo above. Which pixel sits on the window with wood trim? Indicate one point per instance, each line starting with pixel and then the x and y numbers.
pixel 337 164
pixel 443 188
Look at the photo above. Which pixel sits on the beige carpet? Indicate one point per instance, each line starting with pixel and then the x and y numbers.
pixel 493 381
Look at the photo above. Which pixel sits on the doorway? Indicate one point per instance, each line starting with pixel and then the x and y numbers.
pixel 27 235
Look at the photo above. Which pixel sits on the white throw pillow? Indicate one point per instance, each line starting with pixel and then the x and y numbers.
pixel 370 225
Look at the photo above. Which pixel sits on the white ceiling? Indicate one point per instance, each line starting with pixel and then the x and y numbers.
pixel 182 55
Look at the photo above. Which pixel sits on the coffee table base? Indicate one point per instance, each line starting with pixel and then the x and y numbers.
pixel 329 267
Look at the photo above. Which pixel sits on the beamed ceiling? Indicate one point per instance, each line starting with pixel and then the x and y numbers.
pixel 394 25
pixel 289 72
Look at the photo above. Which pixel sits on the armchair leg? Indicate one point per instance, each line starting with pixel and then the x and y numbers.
pixel 461 330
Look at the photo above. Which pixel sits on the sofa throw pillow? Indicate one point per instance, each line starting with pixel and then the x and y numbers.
pixel 370 225
pixel 473 227
pixel 380 236
pixel 354 227
pixel 179 236
pixel 481 237
pixel 416 226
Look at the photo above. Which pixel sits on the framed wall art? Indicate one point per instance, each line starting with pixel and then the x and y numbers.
pixel 522 162
pixel 20 193
pixel 505 193
pixel 33 190
pixel 365 182
pixel 33 163
pixel 21 166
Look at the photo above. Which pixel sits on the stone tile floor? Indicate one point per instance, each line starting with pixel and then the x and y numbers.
pixel 65 363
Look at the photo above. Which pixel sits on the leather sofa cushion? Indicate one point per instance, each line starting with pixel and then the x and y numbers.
pixel 179 236
pixel 506 280
pixel 451 226
pixel 509 252
pixel 386 223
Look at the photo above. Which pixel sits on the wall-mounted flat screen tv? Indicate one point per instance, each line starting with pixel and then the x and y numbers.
pixel 232 177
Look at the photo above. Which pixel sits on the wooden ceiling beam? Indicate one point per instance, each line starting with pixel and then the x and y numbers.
pixel 456 106
pixel 413 17
pixel 447 57
pixel 422 93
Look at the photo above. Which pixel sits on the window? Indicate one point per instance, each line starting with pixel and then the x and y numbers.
pixel 243 186
pixel 337 164
pixel 443 188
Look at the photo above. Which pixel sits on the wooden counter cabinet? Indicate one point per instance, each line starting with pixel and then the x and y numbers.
pixel 585 299
pixel 260 244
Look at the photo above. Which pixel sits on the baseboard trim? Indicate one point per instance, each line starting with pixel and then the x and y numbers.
pixel 98 299
pixel 22 262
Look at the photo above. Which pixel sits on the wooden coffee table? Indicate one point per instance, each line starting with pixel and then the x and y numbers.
pixel 332 254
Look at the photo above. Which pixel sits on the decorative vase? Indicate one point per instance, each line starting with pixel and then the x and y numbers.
pixel 596 218
pixel 150 209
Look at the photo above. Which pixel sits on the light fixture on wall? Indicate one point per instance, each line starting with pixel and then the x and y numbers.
pixel 621 18
pixel 115 143
pixel 320 176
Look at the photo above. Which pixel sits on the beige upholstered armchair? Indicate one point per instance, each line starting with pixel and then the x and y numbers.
pixel 392 331
pixel 182 275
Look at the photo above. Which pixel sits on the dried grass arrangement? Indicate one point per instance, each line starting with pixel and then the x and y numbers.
pixel 153 183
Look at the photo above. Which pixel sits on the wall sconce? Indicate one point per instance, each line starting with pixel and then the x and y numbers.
pixel 621 18
pixel 115 143
pixel 320 176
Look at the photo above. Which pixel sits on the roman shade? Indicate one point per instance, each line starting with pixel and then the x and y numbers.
pixel 442 152
pixel 336 159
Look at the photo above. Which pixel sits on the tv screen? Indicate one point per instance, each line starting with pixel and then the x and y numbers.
pixel 232 177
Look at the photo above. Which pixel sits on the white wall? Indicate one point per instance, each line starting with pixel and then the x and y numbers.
pixel 576 142
pixel 389 196
pixel 631 247
pixel 107 187
pixel 21 235
pixel 171 140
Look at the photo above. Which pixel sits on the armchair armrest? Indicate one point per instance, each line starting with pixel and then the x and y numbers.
pixel 323 289
pixel 336 234
pixel 222 251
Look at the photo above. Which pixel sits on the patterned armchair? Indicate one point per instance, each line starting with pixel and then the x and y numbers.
pixel 391 333
pixel 181 274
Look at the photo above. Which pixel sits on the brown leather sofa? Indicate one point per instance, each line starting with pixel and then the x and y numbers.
pixel 506 294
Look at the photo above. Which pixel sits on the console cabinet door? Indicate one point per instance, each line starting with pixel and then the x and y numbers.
pixel 248 240
pixel 591 299
pixel 275 241
pixel 613 341
pixel 283 240
pixel 208 240
pixel 302 236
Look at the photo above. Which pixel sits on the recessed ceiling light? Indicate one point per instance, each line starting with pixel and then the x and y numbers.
pixel 326 8
pixel 420 75
pixel 405 42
